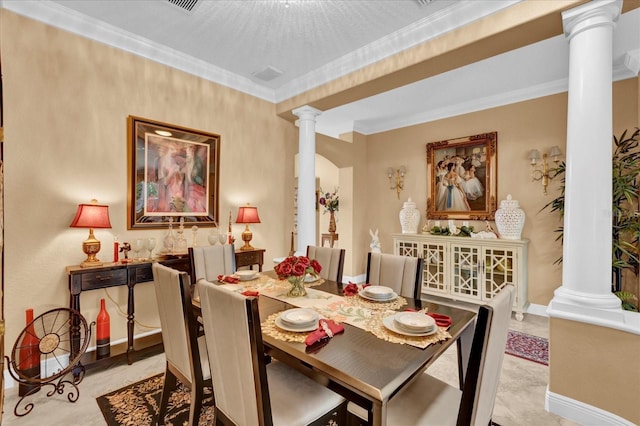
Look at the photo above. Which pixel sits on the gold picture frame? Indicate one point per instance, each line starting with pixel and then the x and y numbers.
pixel 173 173
pixel 462 177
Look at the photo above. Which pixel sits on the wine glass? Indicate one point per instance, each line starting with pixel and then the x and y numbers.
pixel 223 238
pixel 213 237
pixel 150 244
pixel 137 246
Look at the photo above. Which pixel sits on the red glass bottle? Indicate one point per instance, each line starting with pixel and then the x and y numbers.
pixel 29 357
pixel 103 332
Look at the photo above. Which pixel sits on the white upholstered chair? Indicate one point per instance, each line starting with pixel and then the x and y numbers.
pixel 402 273
pixel 210 261
pixel 331 260
pixel 247 391
pixel 186 354
pixel 429 401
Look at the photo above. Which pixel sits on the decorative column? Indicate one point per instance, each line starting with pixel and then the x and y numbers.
pixel 306 177
pixel 585 294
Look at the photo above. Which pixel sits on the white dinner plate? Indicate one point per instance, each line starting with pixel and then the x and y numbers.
pixel 246 275
pixel 299 317
pixel 286 327
pixel 378 291
pixel 414 321
pixel 311 278
pixel 389 322
pixel 364 295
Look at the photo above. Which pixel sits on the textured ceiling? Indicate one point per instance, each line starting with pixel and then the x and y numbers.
pixel 301 44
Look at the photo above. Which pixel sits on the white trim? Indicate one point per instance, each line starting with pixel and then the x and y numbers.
pixel 580 412
pixel 358 279
pixel 611 318
pixel 539 310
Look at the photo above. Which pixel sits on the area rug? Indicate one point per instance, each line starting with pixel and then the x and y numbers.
pixel 529 347
pixel 137 404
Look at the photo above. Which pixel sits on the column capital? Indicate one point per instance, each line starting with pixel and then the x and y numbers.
pixel 589 15
pixel 306 112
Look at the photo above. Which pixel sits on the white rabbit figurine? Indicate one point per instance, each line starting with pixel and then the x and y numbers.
pixel 375 242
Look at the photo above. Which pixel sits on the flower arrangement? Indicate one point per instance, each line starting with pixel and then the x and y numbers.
pixel 329 200
pixel 297 266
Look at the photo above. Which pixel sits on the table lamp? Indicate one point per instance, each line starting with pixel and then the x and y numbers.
pixel 91 216
pixel 247 214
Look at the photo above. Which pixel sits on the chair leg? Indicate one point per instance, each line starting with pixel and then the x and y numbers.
pixel 170 383
pixel 197 394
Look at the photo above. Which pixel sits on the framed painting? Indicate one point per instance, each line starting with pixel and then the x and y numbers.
pixel 173 173
pixel 462 178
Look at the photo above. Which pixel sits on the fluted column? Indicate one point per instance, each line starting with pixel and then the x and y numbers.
pixel 586 269
pixel 306 177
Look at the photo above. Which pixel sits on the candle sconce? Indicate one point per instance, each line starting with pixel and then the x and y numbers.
pixel 542 172
pixel 396 178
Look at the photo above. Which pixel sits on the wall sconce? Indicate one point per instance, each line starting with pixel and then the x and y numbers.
pixel 542 172
pixel 398 182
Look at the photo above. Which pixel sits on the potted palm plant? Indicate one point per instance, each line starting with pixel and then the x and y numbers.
pixel 625 225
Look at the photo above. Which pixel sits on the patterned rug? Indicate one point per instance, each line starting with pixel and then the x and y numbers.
pixel 137 404
pixel 529 347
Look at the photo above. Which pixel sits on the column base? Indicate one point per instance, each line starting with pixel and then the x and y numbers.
pixel 597 309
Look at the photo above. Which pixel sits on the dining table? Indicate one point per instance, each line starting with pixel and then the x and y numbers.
pixel 366 363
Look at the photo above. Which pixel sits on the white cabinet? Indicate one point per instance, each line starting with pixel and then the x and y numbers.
pixel 468 269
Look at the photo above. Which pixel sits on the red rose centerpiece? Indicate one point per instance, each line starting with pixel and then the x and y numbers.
pixel 294 269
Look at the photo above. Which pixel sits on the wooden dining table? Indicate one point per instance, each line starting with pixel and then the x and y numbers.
pixel 362 367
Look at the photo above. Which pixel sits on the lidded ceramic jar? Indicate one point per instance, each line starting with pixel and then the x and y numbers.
pixel 510 219
pixel 409 217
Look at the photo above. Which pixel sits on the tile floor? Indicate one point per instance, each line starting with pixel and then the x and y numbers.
pixel 520 399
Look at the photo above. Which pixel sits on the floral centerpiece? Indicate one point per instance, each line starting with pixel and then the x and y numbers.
pixel 331 203
pixel 294 269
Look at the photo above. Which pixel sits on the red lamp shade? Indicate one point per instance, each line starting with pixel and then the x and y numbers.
pixel 247 214
pixel 91 216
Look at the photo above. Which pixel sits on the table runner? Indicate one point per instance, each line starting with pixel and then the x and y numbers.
pixel 353 310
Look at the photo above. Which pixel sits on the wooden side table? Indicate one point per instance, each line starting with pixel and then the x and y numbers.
pixel 250 258
pixel 330 238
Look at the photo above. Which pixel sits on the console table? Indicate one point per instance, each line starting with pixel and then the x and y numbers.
pixel 250 258
pixel 114 275
pixel 330 238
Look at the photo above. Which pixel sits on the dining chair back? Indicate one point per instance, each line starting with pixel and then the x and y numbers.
pixel 210 261
pixel 249 392
pixel 185 353
pixel 402 273
pixel 331 260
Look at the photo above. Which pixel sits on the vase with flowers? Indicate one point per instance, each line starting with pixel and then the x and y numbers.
pixel 331 204
pixel 294 269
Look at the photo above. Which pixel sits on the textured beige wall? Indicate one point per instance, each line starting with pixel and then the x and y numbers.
pixel 66 100
pixel 596 365
pixel 538 123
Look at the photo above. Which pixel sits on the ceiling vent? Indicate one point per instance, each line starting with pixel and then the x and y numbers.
pixel 267 74
pixel 423 2
pixel 186 5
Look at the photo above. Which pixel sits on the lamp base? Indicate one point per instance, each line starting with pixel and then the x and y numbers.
pixel 91 247
pixel 91 263
pixel 247 235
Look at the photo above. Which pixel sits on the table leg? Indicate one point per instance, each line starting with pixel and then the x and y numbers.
pixel 130 323
pixel 379 414
pixel 74 304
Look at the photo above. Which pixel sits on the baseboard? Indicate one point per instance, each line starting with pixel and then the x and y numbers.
pixel 580 412
pixel 540 310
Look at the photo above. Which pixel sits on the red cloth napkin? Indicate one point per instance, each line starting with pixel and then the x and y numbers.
pixel 442 320
pixel 228 279
pixel 250 293
pixel 352 289
pixel 319 334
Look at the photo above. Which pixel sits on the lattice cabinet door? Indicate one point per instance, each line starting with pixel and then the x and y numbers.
pixel 434 274
pixel 408 248
pixel 466 279
pixel 500 266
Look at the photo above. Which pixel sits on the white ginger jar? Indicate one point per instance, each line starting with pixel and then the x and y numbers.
pixel 409 217
pixel 510 219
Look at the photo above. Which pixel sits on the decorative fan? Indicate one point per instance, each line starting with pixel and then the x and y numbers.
pixel 46 350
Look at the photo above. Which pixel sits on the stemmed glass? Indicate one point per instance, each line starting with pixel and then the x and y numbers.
pixel 150 244
pixel 137 246
pixel 213 237
pixel 222 237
